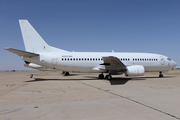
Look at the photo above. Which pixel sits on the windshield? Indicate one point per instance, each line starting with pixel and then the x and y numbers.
pixel 169 59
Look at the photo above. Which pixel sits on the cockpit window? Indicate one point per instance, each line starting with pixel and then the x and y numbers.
pixel 169 59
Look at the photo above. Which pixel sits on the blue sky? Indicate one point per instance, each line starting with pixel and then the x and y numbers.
pixel 151 26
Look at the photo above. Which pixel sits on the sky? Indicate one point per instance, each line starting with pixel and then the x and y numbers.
pixel 150 26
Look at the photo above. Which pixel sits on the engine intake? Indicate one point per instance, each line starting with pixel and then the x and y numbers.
pixel 135 70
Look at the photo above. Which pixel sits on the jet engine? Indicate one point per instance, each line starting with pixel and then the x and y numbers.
pixel 134 70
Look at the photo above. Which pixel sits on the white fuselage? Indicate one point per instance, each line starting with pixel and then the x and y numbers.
pixel 40 55
pixel 89 62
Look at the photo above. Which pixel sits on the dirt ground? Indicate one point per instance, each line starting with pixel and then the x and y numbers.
pixel 50 95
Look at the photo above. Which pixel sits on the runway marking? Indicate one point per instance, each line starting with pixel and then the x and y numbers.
pixel 131 100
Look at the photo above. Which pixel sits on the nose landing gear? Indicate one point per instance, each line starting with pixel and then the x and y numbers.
pixel 160 75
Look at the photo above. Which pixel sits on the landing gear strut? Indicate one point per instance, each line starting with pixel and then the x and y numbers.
pixel 101 76
pixel 160 74
pixel 31 76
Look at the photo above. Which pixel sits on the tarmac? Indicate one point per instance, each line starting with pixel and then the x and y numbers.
pixel 50 95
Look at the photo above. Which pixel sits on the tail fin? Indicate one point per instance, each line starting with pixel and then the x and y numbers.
pixel 33 41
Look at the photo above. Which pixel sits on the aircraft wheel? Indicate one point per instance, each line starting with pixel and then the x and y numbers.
pixel 66 73
pixel 101 76
pixel 160 74
pixel 108 77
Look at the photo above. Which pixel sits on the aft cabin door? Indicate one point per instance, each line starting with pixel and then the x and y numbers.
pixel 54 60
pixel 162 60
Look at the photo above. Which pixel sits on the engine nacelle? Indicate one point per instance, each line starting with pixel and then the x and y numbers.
pixel 135 70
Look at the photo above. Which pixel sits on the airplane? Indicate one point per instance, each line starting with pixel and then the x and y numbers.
pixel 39 54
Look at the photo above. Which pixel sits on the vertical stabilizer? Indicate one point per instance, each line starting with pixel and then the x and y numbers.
pixel 33 41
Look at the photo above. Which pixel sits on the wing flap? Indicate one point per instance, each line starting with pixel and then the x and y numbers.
pixel 113 64
pixel 21 52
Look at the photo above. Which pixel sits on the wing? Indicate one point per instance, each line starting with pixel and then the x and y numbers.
pixel 21 53
pixel 113 64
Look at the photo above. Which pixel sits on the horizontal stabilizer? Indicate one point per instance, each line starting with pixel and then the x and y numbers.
pixel 21 53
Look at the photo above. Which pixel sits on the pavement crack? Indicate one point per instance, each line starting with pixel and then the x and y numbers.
pixel 127 98
pixel 12 90
pixel 7 112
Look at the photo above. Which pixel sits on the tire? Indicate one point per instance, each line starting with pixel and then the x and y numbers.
pixel 101 76
pixel 108 77
pixel 66 73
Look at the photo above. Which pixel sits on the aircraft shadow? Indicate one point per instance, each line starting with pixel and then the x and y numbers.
pixel 114 81
pixel 119 81
pixel 42 79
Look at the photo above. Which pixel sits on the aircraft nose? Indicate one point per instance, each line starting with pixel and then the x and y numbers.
pixel 174 64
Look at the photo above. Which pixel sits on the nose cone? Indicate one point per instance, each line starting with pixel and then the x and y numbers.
pixel 173 64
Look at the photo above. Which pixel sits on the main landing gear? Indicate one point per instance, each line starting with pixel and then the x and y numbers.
pixel 160 74
pixel 65 73
pixel 101 76
pixel 108 77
